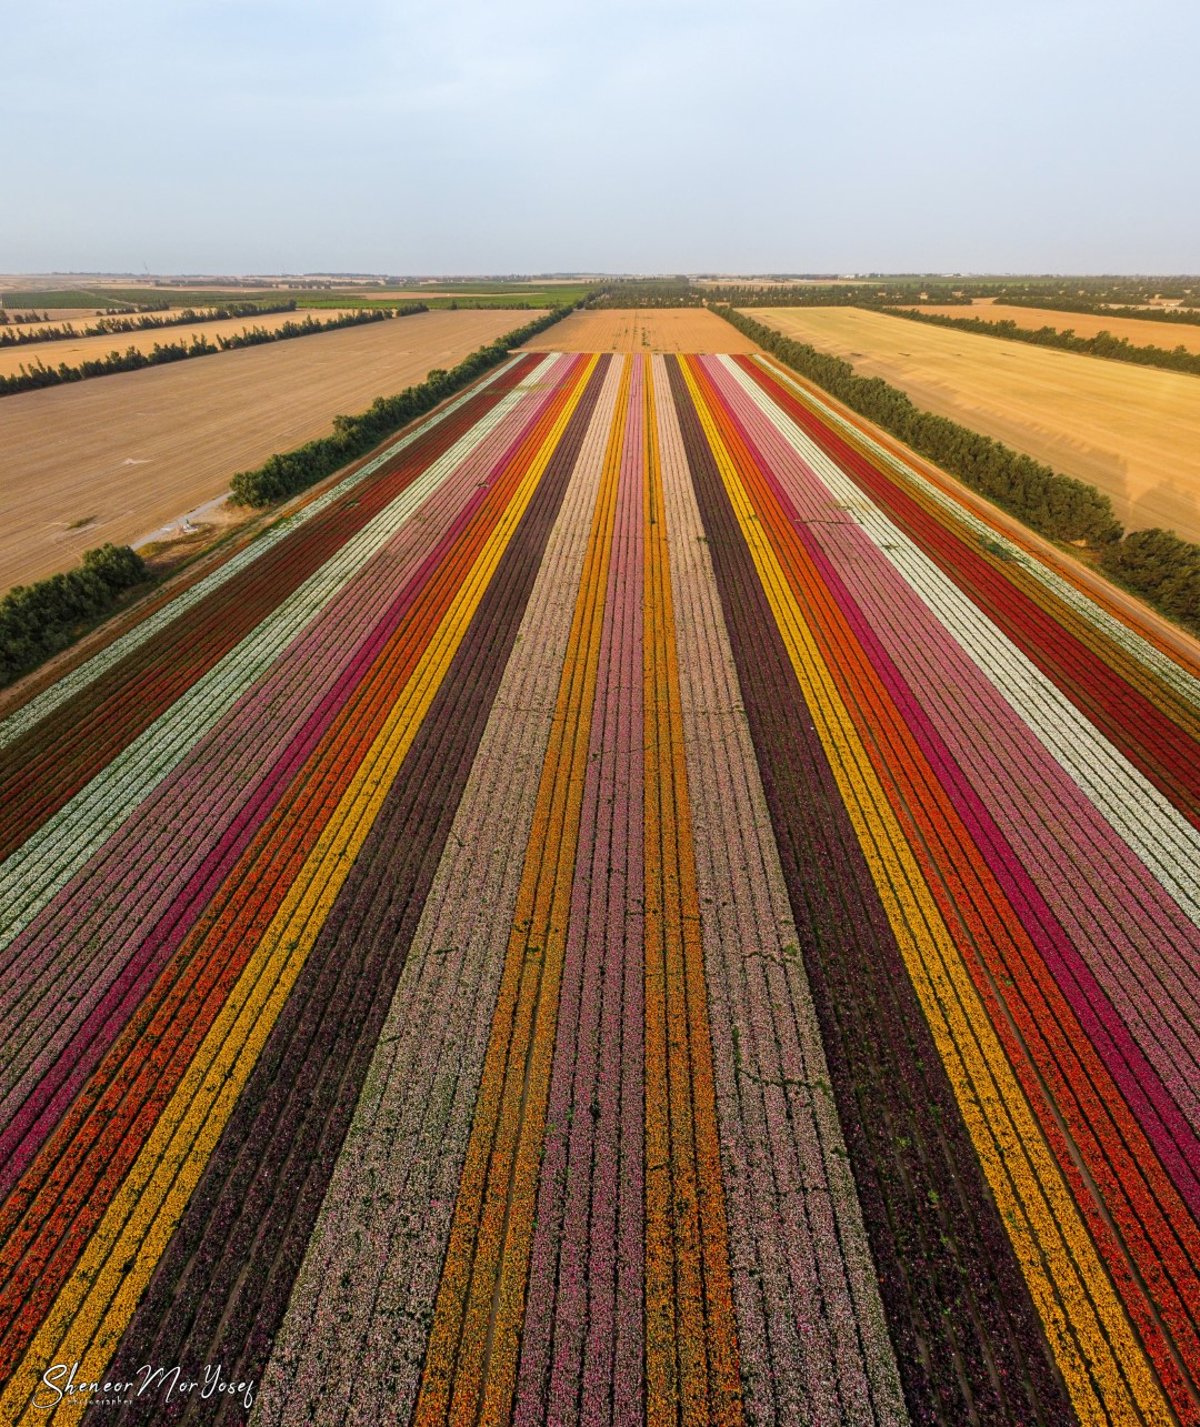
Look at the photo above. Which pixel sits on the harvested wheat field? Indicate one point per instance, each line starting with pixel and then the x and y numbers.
pixel 84 349
pixel 119 457
pixel 665 329
pixel 1133 432
pixel 1084 324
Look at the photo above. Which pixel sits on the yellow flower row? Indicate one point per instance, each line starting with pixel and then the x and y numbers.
pixel 1104 1367
pixel 488 1254
pixel 687 1251
pixel 96 1304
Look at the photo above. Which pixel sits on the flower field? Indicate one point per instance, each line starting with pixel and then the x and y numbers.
pixel 635 907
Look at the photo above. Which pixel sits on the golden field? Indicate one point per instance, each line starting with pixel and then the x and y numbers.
pixel 1134 432
pixel 1083 324
pixel 652 329
pixel 74 350
pixel 118 457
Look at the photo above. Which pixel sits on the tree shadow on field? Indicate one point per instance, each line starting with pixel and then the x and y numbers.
pixel 1172 503
pixel 1099 466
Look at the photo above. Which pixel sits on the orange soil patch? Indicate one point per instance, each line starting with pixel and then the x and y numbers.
pixel 1084 324
pixel 1131 431
pixel 81 349
pixel 120 457
pixel 652 329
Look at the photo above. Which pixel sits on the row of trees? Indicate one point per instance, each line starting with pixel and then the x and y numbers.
pixel 1054 292
pixel 682 292
pixel 1188 314
pixel 1161 568
pixel 38 620
pixel 1103 344
pixel 108 326
pixel 1156 565
pixel 844 295
pixel 1083 294
pixel 648 292
pixel 286 473
pixel 37 376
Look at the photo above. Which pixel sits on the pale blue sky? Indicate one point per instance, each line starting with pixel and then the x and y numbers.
pixel 613 135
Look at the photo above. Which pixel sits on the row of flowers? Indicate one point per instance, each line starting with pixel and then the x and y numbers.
pixel 70 685
pixel 1159 1253
pixel 812 1336
pixel 340 756
pixel 356 1329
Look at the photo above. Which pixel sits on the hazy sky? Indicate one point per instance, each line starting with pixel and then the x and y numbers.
pixel 613 135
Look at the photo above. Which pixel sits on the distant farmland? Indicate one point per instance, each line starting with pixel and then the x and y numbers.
pixel 638 907
pixel 117 458
pixel 58 299
pixel 1133 432
pixel 73 350
pixel 482 294
pixel 614 329
pixel 1083 324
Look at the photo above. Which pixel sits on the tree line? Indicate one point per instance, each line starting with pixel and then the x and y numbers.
pixel 286 473
pixel 37 376
pixel 38 620
pixel 682 292
pixel 1103 344
pixel 1093 291
pixel 1187 315
pixel 856 294
pixel 107 326
pixel 648 292
pixel 1156 565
